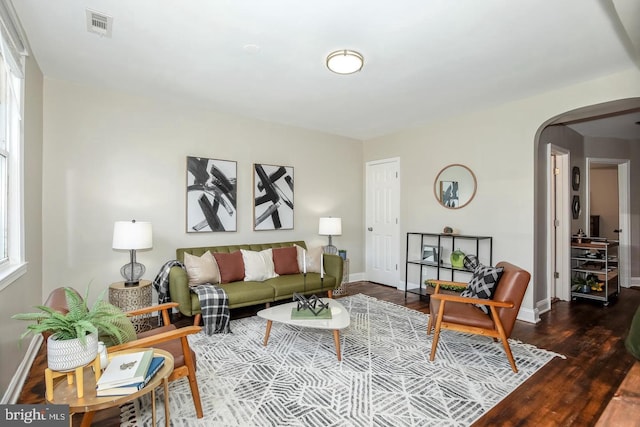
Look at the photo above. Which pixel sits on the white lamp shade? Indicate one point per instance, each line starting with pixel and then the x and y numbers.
pixel 330 226
pixel 132 235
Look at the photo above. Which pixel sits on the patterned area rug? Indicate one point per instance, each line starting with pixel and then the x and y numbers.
pixel 385 377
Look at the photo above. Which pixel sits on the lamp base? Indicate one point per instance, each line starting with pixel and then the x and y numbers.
pixel 330 249
pixel 132 273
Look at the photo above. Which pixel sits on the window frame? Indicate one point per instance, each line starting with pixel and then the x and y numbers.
pixel 14 265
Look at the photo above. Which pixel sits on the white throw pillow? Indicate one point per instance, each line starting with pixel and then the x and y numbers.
pixel 313 258
pixel 258 266
pixel 203 269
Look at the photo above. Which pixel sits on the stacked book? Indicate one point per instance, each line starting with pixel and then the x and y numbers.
pixel 128 373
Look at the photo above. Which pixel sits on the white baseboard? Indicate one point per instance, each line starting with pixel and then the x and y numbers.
pixel 356 277
pixel 635 281
pixel 17 382
pixel 543 306
pixel 529 315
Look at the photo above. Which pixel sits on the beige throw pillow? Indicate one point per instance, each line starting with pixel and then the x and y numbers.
pixel 203 269
pixel 313 258
pixel 258 266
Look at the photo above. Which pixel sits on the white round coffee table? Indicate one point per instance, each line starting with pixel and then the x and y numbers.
pixel 282 314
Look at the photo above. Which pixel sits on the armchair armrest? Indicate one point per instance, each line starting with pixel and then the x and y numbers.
pixel 150 341
pixel 467 300
pixel 165 310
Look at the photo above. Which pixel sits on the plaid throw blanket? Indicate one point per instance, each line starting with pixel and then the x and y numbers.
pixel 161 282
pixel 214 305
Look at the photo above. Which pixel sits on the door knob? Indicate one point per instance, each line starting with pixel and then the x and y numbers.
pixel 370 228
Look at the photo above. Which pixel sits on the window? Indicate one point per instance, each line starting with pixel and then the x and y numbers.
pixel 12 261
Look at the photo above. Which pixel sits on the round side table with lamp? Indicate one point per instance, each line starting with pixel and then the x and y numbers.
pixel 132 298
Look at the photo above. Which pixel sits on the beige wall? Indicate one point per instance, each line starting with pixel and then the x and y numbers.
pixel 110 156
pixel 499 145
pixel 25 292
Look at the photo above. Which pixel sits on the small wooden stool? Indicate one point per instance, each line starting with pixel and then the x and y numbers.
pixel 49 376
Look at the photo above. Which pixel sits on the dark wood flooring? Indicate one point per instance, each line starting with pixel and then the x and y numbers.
pixel 566 392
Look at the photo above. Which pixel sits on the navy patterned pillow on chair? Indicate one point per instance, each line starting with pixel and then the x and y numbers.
pixel 483 284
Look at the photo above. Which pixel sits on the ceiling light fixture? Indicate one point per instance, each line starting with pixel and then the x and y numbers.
pixel 345 61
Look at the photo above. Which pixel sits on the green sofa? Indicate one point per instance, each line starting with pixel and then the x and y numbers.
pixel 242 294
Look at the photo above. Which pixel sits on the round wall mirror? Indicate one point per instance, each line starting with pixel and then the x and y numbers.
pixel 455 186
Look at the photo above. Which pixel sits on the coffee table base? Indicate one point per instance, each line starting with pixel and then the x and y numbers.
pixel 336 338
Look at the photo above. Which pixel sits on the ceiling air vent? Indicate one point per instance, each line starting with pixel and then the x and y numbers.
pixel 99 23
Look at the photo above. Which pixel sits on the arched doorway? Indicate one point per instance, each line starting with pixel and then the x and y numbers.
pixel 544 267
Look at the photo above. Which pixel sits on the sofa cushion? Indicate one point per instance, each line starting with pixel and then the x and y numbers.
pixel 285 260
pixel 248 293
pixel 201 269
pixel 258 266
pixel 231 266
pixel 483 284
pixel 285 286
pixel 311 257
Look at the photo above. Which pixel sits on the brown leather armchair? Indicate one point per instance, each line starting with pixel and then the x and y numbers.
pixel 167 337
pixel 460 313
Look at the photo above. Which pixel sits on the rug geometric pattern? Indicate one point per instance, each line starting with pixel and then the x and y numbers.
pixel 385 377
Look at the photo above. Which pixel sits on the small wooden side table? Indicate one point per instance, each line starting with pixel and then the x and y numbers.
pixel 133 298
pixel 66 394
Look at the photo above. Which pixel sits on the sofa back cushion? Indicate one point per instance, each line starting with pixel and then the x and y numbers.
pixel 201 269
pixel 312 257
pixel 231 266
pixel 285 260
pixel 258 266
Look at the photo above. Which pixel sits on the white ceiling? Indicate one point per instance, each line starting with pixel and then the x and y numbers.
pixel 424 59
pixel 621 126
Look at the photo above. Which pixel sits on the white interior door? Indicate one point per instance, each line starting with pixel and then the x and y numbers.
pixel 382 220
pixel 559 223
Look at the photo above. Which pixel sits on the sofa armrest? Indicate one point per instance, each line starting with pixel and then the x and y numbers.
pixel 333 265
pixel 179 290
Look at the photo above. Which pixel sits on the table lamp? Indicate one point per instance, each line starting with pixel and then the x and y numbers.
pixel 132 235
pixel 329 226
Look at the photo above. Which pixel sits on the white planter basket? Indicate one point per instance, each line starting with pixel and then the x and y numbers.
pixel 65 355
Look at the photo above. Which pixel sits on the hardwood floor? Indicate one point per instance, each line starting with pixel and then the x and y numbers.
pixel 566 392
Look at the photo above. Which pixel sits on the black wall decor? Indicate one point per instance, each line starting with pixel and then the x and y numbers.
pixel 575 178
pixel 575 207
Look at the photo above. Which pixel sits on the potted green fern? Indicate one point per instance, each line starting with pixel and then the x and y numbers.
pixel 74 335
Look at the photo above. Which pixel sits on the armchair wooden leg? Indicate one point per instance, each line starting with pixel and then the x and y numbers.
pixel 196 319
pixel 504 339
pixel 430 324
pixel 193 382
pixel 436 334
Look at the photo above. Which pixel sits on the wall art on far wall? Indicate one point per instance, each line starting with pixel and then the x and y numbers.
pixel 272 197
pixel 449 193
pixel 211 195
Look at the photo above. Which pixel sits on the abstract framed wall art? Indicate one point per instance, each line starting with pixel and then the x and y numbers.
pixel 211 195
pixel 449 194
pixel 272 197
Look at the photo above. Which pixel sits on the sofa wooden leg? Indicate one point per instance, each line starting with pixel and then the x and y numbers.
pixel 330 293
pixel 196 319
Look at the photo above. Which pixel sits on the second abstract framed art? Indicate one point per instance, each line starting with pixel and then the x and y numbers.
pixel 272 197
